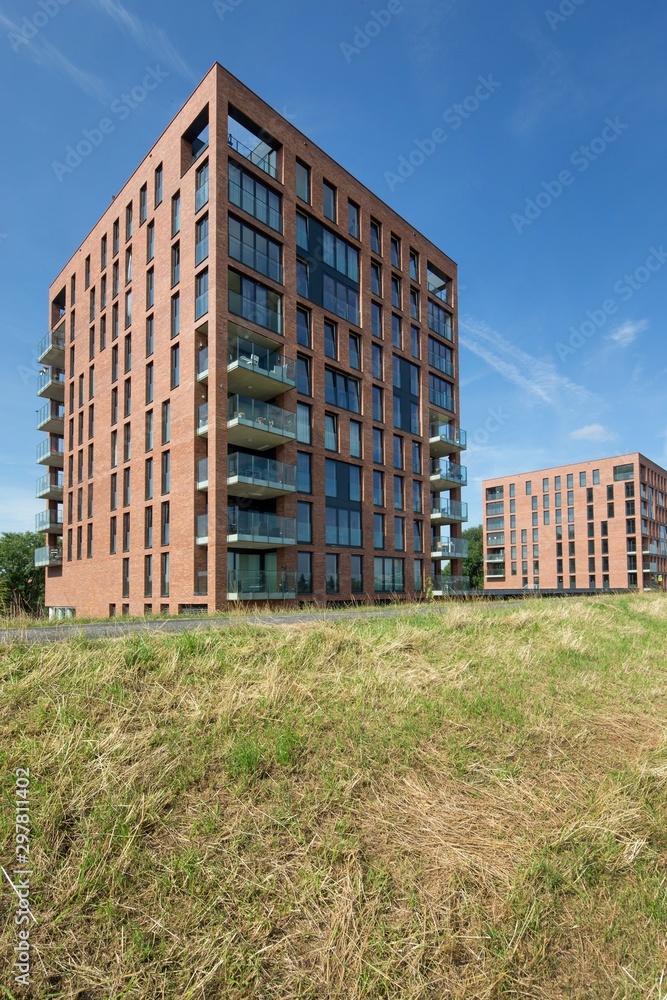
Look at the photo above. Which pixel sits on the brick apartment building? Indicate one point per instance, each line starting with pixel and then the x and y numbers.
pixel 585 526
pixel 250 383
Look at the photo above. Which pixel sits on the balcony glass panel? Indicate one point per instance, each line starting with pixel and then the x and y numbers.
pixel 263 416
pixel 261 527
pixel 262 359
pixel 264 471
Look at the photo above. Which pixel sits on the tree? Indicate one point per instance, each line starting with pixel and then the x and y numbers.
pixel 21 584
pixel 473 566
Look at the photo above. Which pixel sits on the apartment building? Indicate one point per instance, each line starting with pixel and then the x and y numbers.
pixel 587 526
pixel 250 383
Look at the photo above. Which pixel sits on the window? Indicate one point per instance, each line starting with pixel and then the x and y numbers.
pixel 127 442
pixel 86 272
pixel 150 289
pixel 378 404
pixel 255 302
pixel 529 487
pixel 378 446
pixel 114 449
pixel 395 251
pixel 414 342
pixel 303 375
pixel 127 397
pixel 388 575
pixel 126 487
pixel 353 219
pixel 143 204
pixel 596 477
pixel 582 478
pixel 304 527
pixel 339 298
pixel 103 260
pixel 354 350
pixel 378 531
pixel 201 186
pixel 378 488
pixel 376 319
pixel 150 242
pixel 127 354
pixel 398 493
pixel 304 572
pixel 329 201
pixel 395 292
pixel 175 366
pixel 165 523
pixel 166 422
pixel 115 237
pixel 128 309
pixel 396 331
pixel 158 185
pixel 418 536
pixel 355 439
pixel 148 479
pixel 416 457
pixel 303 423
pixel 128 222
pixel 302 271
pixel 303 327
pixel 149 382
pixel 376 237
pixel 376 278
pixel 342 390
pixel 175 264
pixel 254 197
pixel 250 247
pixel 302 181
pixel 331 432
pixel 398 451
pixel 331 573
pixel 148 429
pixel 165 481
pixel 330 340
pixel 164 574
pixel 399 533
pixel 414 265
pixel 414 303
pixel 175 315
pixel 377 368
pixel 148 576
pixel 201 293
pixel 176 214
pixel 416 496
pixel 303 472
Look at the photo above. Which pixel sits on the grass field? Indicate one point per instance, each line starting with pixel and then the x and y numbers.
pixel 461 805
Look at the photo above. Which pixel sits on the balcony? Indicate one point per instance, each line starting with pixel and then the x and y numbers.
pixel 447 476
pixel 441 400
pixel 263 155
pixel 250 529
pixel 202 474
pixel 51 349
pixel 445 585
pixel 201 582
pixel 202 420
pixel 256 311
pixel 202 364
pixel 50 452
pixel 253 476
pixel 46 556
pixel 449 512
pixel 445 439
pixel 50 487
pixel 651 567
pixel 51 418
pixel 497 556
pixel 442 364
pixel 258 371
pixel 257 425
pixel 276 585
pixel 201 529
pixel 495 572
pixel 449 548
pixel 49 520
pixel 51 384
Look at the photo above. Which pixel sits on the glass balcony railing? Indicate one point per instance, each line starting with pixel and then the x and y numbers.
pixel 261 416
pixel 449 434
pixel 201 529
pixel 48 520
pixel 270 267
pixel 49 378
pixel 202 419
pixel 201 582
pixel 46 556
pixel 202 363
pixel 265 585
pixel 255 206
pixel 260 527
pixel 50 448
pixel 262 156
pixel 50 344
pixel 496 557
pixel 449 548
pixel 454 510
pixel 51 416
pixel 449 472
pixel 253 357
pixel 442 364
pixel 443 400
pixel 261 471
pixel 445 584
pixel 202 473
pixel 49 484
pixel 256 312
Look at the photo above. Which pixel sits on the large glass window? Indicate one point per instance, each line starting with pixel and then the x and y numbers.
pixel 341 390
pixel 304 525
pixel 255 250
pixel 304 572
pixel 302 181
pixel 254 197
pixel 332 584
pixel 255 302
pixel 201 240
pixel 389 575
pixel 303 472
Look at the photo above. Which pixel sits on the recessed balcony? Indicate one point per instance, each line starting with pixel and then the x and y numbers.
pixel 50 487
pixel 202 420
pixel 51 418
pixel 202 474
pixel 51 384
pixel 46 556
pixel 253 476
pixel 449 548
pixel 201 529
pixel 495 556
pixel 50 452
pixel 49 520
pixel 256 425
pixel 449 512
pixel 441 402
pixel 445 439
pixel 447 476
pixel 277 585
pixel 441 363
pixel 51 349
pixel 249 529
pixel 445 585
pixel 258 371
pixel 202 364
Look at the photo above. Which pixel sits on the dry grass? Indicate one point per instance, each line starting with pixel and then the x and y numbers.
pixel 465 805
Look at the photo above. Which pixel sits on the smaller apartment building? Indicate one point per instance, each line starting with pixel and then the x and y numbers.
pixel 589 525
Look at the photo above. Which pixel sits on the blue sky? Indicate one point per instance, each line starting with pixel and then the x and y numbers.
pixel 531 143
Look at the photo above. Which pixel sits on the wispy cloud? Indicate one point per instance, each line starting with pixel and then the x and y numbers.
pixel 627 332
pixel 592 432
pixel 145 34
pixel 46 55
pixel 537 377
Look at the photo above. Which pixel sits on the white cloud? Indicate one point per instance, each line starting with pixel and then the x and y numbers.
pixel 592 432
pixel 538 378
pixel 627 332
pixel 145 34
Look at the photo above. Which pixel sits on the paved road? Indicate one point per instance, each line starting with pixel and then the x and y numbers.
pixel 117 629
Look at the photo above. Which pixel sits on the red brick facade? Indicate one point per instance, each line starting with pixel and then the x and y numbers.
pixel 252 552
pixel 589 525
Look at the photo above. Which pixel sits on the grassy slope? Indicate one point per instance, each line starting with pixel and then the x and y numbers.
pixel 466 805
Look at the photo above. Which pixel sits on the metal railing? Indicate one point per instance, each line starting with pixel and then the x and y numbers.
pixel 263 162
